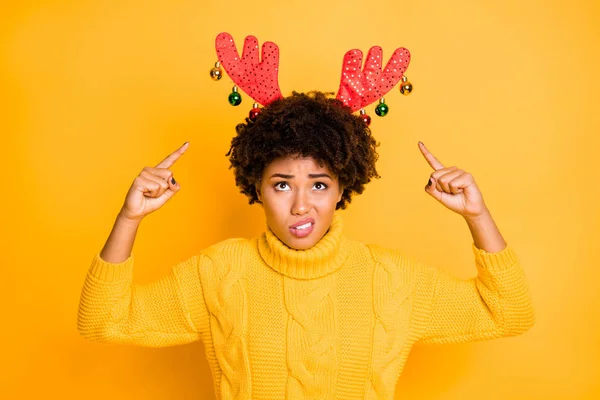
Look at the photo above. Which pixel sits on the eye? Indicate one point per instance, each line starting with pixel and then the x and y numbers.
pixel 320 186
pixel 281 186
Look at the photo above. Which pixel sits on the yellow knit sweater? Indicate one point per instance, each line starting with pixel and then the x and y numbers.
pixel 336 321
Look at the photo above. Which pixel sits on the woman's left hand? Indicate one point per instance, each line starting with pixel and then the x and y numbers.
pixel 453 187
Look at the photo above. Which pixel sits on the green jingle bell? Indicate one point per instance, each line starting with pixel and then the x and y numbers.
pixel 235 99
pixel 382 109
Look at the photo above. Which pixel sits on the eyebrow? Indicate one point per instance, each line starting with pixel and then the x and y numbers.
pixel 284 176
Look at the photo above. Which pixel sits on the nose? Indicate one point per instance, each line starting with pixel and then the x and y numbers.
pixel 301 203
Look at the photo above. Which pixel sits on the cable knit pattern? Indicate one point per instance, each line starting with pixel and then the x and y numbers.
pixel 336 321
pixel 391 290
pixel 311 304
pixel 311 335
pixel 227 304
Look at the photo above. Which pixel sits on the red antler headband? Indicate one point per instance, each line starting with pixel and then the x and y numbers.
pixel 358 88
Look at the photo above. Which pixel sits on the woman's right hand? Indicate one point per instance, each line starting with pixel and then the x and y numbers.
pixel 152 188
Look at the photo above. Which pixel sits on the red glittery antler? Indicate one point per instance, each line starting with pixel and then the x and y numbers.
pixel 257 78
pixel 361 88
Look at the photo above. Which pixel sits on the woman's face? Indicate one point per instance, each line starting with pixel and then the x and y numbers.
pixel 299 198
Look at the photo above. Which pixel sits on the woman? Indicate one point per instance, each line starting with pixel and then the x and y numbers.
pixel 301 311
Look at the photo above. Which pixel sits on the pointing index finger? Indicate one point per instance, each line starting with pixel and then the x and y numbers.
pixel 171 158
pixel 431 160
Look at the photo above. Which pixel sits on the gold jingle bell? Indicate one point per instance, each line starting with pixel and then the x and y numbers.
pixel 216 73
pixel 406 87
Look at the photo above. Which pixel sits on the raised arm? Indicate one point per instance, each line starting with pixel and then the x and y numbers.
pixel 496 302
pixel 167 312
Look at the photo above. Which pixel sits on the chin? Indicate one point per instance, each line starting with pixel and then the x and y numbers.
pixel 298 244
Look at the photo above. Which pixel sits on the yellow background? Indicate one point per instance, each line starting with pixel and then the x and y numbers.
pixel 93 91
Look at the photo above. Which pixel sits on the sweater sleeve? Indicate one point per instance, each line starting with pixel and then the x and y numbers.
pixel 169 311
pixel 496 303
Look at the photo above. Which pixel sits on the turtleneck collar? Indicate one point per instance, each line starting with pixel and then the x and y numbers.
pixel 325 257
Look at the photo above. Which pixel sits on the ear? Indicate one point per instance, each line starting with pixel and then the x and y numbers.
pixel 258 194
pixel 341 193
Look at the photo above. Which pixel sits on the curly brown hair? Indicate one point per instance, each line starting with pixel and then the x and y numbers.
pixel 307 125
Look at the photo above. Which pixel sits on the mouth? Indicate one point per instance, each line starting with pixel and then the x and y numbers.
pixel 302 228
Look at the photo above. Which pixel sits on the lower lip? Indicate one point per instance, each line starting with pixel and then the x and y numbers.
pixel 300 233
